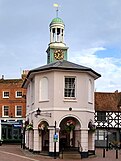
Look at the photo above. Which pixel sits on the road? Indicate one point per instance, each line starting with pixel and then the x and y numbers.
pixel 15 153
pixel 6 156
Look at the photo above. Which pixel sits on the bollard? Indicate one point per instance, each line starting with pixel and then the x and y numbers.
pixel 104 153
pixel 62 153
pixel 116 153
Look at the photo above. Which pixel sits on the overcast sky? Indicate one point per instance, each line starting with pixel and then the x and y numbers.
pixel 92 33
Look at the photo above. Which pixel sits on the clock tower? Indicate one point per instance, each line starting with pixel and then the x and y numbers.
pixel 57 49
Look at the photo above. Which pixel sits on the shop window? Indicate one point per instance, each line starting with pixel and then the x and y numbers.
pixel 5 94
pixel 100 135
pixel 69 90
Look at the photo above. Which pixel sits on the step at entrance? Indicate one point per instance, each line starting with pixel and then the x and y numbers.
pixel 70 155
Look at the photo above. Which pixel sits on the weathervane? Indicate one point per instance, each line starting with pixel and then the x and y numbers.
pixel 56 6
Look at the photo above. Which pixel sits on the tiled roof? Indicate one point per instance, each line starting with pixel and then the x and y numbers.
pixel 61 64
pixel 5 81
pixel 107 101
pixel 64 65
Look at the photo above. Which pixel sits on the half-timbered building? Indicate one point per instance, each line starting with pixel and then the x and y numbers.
pixel 108 118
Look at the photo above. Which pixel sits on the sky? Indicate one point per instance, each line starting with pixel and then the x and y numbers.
pixel 92 33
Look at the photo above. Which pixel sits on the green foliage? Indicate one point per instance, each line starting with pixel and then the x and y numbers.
pixel 29 126
pixel 70 126
pixel 91 126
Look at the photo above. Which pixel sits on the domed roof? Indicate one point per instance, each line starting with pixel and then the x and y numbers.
pixel 57 20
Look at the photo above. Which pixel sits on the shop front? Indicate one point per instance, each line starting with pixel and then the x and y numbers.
pixel 11 131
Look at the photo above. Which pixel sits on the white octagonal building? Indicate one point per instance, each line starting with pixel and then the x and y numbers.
pixel 60 101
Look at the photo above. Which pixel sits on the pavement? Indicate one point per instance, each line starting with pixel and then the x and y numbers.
pixel 23 154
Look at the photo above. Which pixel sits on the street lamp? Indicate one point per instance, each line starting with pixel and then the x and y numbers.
pixel 23 129
pixel 42 113
pixel 21 137
pixel 38 111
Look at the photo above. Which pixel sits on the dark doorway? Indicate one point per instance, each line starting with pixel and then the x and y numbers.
pixel 69 127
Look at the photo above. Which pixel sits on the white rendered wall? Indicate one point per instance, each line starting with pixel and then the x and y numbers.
pixel 58 106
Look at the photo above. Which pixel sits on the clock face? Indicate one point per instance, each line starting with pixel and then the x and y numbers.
pixel 58 54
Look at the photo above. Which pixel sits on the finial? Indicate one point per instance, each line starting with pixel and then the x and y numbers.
pixel 56 6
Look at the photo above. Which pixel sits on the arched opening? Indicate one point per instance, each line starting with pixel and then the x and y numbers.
pixel 69 133
pixel 44 135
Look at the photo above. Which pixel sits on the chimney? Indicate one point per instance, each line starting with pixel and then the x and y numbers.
pixel 116 91
pixel 24 74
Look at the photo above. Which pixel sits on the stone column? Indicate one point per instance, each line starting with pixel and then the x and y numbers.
pixel 36 146
pixel 84 143
pixel 51 35
pixel 30 140
pixel 56 39
pixel 27 139
pixel 60 35
pixel 63 36
pixel 51 141
pixel 91 141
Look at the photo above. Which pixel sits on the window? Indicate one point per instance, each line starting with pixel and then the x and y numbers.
pixel 69 90
pixel 5 94
pixel 5 111
pixel 100 135
pixel 43 92
pixel 18 94
pixel 19 111
pixel 101 116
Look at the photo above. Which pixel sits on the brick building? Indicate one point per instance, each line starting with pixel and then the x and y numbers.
pixel 12 108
